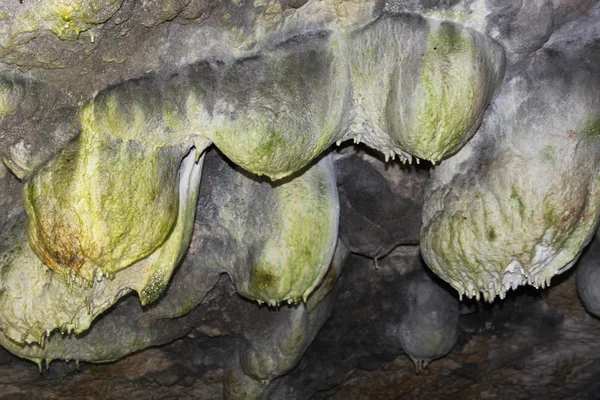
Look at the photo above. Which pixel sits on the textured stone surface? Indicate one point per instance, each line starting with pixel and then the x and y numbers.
pixel 101 100
pixel 10 196
pixel 273 347
pixel 528 346
pixel 397 189
pixel 283 235
pixel 429 329
pixel 128 327
pixel 36 301
pixel 434 100
pixel 36 122
pixel 88 208
pixel 518 204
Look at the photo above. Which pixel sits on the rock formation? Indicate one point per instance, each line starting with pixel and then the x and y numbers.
pixel 163 160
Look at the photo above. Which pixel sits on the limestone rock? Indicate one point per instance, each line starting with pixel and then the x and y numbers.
pixel 10 196
pixel 420 86
pixel 520 201
pixel 588 278
pixel 36 301
pixel 397 189
pixel 284 233
pixel 429 330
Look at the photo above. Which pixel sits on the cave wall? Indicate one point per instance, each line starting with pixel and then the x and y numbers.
pixel 274 188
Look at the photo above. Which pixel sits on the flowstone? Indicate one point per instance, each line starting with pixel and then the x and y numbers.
pixel 36 301
pixel 88 206
pixel 127 327
pixel 287 232
pixel 436 78
pixel 429 330
pixel 517 205
pixel 108 107
pixel 273 348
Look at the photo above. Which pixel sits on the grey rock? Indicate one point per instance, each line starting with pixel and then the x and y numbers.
pixel 588 278
pixel 429 330
pixel 397 191
pixel 36 122
pixel 10 196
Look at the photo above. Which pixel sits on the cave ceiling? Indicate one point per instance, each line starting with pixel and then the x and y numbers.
pixel 149 147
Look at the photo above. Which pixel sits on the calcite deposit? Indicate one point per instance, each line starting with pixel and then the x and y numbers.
pixel 153 151
pixel 518 204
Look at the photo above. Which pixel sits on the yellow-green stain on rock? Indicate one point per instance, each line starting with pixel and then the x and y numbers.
pixel 515 196
pixel 292 249
pixel 110 198
pixel 549 153
pixel 293 263
pixel 451 93
pixel 591 129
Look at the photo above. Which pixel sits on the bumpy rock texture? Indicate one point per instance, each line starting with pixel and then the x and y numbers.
pixel 520 201
pixel 545 346
pixel 134 137
pixel 36 301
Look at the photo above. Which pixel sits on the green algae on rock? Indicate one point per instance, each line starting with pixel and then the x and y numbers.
pixel 36 301
pixel 89 207
pixel 274 112
pixel 65 18
pixel 166 258
pixel 285 234
pixel 294 328
pixel 276 346
pixel 421 86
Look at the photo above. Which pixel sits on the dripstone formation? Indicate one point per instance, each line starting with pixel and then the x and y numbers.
pixel 164 161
